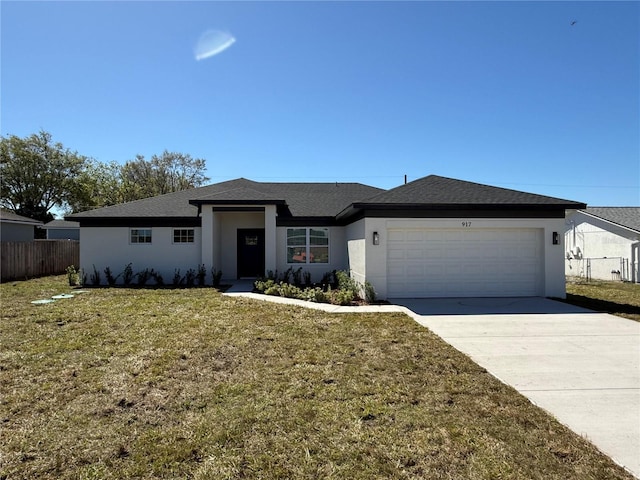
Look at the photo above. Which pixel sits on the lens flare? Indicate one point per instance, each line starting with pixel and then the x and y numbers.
pixel 212 42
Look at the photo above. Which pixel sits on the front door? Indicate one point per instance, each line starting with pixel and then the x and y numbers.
pixel 250 252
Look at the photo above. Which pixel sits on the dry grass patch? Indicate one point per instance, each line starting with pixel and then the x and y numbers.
pixel 122 383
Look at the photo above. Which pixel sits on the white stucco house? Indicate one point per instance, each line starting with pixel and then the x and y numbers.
pixel 603 243
pixel 433 237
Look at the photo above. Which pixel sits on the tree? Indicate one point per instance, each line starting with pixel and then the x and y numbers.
pixel 169 172
pixel 99 185
pixel 37 175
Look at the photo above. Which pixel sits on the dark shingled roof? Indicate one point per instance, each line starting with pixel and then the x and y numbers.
pixel 435 190
pixel 303 199
pixel 326 199
pixel 57 223
pixel 11 217
pixel 628 217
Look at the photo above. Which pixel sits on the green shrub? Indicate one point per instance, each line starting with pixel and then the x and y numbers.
pixel 273 289
pixel 143 277
pixel 201 275
pixel 177 278
pixel 328 279
pixel 316 295
pixel 286 275
pixel 217 276
pixel 262 285
pixel 111 280
pixel 157 278
pixel 369 292
pixel 342 297
pixel 190 277
pixel 95 276
pixel 127 275
pixel 289 291
pixel 73 276
pixel 297 277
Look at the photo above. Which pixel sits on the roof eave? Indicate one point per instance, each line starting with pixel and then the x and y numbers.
pixel 356 207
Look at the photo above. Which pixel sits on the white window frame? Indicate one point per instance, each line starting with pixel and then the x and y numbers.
pixel 138 236
pixel 307 246
pixel 183 239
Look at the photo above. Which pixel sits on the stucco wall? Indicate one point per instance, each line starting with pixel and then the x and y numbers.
pixel 604 247
pixel 16 232
pixel 356 250
pixel 110 247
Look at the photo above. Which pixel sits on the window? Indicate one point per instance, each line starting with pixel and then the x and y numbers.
pixel 140 235
pixel 307 245
pixel 183 235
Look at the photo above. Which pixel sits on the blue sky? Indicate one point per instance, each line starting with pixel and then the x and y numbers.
pixel 504 93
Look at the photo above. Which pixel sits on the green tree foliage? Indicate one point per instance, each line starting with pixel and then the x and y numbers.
pixel 98 185
pixel 37 175
pixel 166 173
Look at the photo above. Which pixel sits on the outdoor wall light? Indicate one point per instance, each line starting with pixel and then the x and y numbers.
pixel 556 238
pixel 376 238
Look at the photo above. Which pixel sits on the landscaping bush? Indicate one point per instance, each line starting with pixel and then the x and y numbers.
pixel 346 292
pixel 95 277
pixel 143 276
pixel 111 280
pixel 127 275
pixel 217 276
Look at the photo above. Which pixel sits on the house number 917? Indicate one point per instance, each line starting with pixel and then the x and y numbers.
pixel 466 224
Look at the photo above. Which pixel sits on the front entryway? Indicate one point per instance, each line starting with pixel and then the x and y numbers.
pixel 250 252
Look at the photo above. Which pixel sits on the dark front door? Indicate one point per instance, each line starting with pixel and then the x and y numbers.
pixel 250 252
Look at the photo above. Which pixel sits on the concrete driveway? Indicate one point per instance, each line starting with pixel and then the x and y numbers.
pixel 581 366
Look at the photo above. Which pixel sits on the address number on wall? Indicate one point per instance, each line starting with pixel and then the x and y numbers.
pixel 466 224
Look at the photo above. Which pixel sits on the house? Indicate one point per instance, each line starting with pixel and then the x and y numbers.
pixel 433 237
pixel 603 243
pixel 62 230
pixel 16 228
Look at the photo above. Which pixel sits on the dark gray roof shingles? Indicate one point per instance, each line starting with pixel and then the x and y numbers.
pixel 58 223
pixel 436 190
pixel 9 216
pixel 303 199
pixel 628 217
pixel 326 199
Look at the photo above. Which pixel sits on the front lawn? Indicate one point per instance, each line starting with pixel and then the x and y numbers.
pixel 617 298
pixel 186 383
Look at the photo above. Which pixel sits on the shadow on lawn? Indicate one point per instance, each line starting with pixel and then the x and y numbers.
pixel 604 306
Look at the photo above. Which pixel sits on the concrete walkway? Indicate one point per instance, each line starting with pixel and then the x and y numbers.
pixel 581 366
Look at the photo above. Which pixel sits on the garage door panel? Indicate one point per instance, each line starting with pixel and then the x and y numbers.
pixel 396 254
pixel 464 262
pixel 415 253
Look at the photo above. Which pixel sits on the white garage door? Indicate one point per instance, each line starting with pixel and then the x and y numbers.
pixel 464 262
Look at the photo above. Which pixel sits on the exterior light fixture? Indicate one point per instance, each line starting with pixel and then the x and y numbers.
pixel 376 238
pixel 556 238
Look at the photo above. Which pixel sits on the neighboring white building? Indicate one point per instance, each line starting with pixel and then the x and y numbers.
pixel 603 243
pixel 433 237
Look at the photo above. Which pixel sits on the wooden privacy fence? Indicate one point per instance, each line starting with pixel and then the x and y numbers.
pixel 21 260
